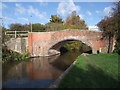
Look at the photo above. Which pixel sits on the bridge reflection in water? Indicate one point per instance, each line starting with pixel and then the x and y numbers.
pixel 36 72
pixel 40 68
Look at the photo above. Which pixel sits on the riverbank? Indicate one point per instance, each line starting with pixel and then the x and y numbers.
pixel 9 55
pixel 93 71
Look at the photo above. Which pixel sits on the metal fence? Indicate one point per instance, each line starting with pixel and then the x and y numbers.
pixel 16 34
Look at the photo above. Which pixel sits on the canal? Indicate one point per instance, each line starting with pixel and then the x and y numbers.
pixel 38 72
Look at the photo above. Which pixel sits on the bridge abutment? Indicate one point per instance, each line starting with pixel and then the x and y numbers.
pixel 19 45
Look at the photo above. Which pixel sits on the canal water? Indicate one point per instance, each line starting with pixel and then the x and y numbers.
pixel 38 72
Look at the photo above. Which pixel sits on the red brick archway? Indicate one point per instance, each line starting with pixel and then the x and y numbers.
pixel 40 42
pixel 57 45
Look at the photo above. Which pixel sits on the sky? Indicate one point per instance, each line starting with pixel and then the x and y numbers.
pixel 40 12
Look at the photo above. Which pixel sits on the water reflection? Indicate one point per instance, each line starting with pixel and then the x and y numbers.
pixel 65 60
pixel 40 68
pixel 36 72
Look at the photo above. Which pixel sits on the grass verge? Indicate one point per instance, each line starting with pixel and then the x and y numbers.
pixel 93 71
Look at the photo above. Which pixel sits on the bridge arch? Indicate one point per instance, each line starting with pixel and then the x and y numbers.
pixel 59 43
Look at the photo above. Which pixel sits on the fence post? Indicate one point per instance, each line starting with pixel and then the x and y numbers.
pixel 5 33
pixel 15 34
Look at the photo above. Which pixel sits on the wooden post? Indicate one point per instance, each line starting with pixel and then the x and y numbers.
pixel 5 33
pixel 15 34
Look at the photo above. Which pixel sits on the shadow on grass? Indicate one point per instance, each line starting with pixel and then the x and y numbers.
pixel 91 78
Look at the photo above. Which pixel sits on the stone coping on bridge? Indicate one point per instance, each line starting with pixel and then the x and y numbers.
pixel 66 30
pixel 50 53
pixel 44 55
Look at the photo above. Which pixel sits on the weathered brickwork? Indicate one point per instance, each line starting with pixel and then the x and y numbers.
pixel 40 43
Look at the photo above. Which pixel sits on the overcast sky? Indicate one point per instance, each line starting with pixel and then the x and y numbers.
pixel 20 12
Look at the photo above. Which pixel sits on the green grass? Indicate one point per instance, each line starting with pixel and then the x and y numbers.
pixel 93 71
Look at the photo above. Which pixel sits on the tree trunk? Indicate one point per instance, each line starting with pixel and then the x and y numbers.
pixel 109 44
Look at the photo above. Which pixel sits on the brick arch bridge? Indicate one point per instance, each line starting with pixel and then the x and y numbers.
pixel 58 44
pixel 39 43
